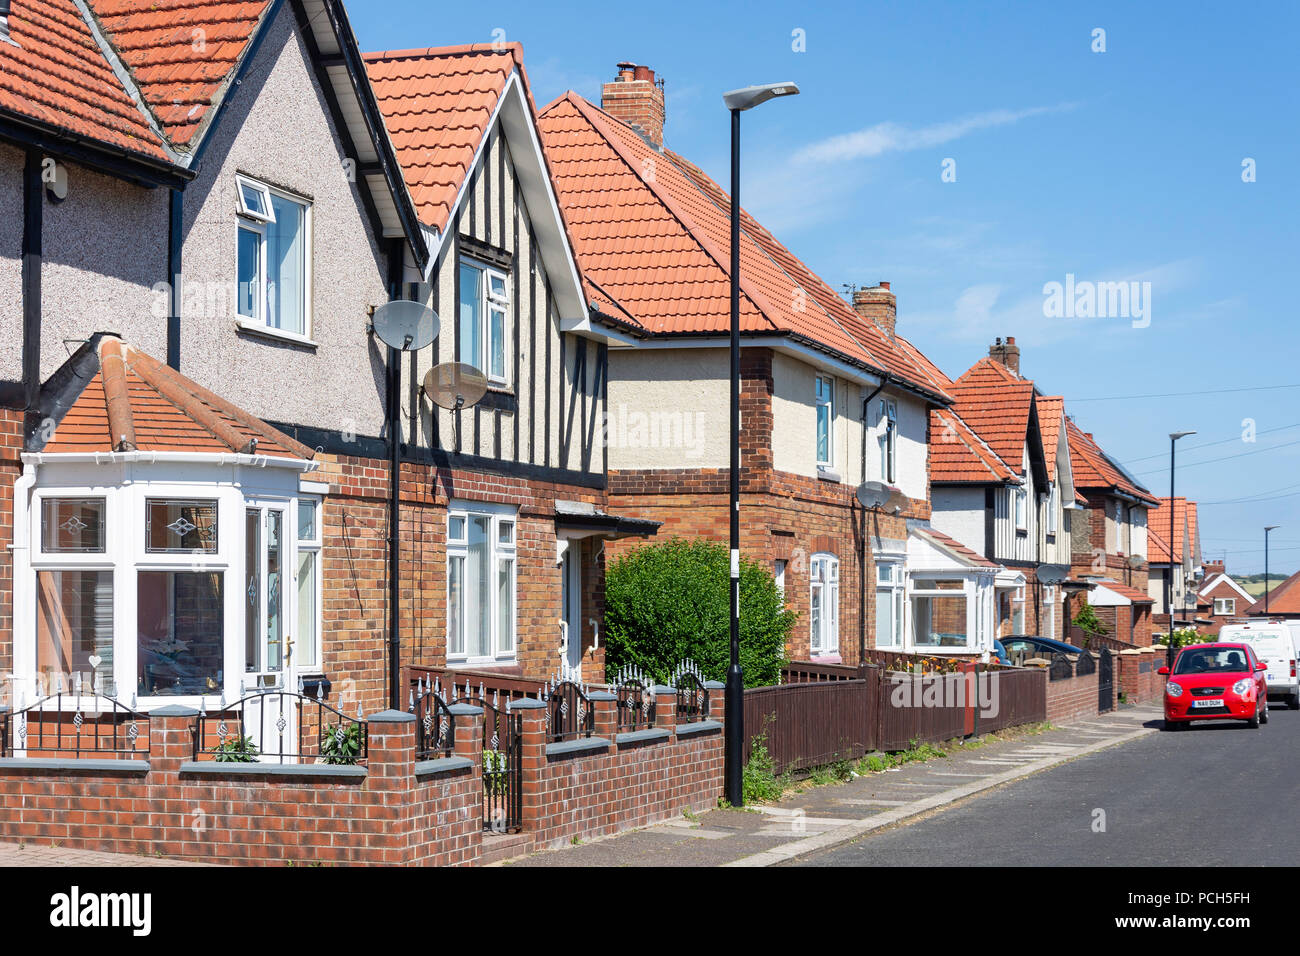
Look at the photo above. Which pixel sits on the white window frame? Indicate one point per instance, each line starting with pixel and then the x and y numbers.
pixel 1225 607
pixel 497 552
pixel 828 382
pixel 893 589
pixel 314 546
pixel 1020 507
pixel 126 555
pixel 1053 497
pixel 778 576
pixel 248 220
pixel 824 579
pixel 888 415
pixel 969 596
pixel 489 302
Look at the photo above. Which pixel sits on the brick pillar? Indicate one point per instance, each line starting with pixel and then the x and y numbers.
pixel 532 760
pixel 390 778
pixel 717 701
pixel 171 744
pixel 605 707
pixel 1126 670
pixel 665 707
pixel 467 827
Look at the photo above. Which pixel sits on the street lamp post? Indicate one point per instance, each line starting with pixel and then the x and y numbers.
pixel 737 101
pixel 1169 578
pixel 1272 527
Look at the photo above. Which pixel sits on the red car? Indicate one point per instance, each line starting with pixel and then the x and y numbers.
pixel 1216 682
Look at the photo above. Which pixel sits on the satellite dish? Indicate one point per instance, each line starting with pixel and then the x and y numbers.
pixel 877 494
pixel 1052 573
pixel 58 186
pixel 455 385
pixel 405 325
pixel 1135 561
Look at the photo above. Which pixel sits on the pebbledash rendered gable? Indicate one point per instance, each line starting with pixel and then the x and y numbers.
pixel 12 161
pixel 551 416
pixel 276 128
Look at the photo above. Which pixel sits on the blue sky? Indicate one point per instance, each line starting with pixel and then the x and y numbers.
pixel 1123 165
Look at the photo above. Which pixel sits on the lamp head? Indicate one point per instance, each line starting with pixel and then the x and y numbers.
pixel 751 96
pixel 1271 527
pixel 1174 436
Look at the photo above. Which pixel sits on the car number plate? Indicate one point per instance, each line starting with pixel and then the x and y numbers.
pixel 1207 703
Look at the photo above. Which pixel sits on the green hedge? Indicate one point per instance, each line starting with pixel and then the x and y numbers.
pixel 667 602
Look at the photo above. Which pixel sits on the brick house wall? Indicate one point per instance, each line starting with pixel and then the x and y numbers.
pixel 785 516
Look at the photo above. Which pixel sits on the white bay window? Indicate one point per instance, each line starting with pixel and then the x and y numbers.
pixel 164 582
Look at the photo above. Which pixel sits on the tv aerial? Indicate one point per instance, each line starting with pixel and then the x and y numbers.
pixel 878 495
pixel 455 386
pixel 405 325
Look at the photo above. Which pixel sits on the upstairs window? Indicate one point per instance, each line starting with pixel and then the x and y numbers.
pixel 888 418
pixel 1225 606
pixel 483 331
pixel 825 420
pixel 1021 503
pixel 273 262
pixel 1053 500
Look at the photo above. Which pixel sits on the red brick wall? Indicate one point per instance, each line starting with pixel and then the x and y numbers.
pixel 1071 699
pixel 387 817
pixel 618 786
pixel 11 438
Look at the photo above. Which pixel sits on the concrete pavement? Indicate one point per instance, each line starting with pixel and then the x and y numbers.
pixel 828 816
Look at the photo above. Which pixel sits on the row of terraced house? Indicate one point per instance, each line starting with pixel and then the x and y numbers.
pixel 201 206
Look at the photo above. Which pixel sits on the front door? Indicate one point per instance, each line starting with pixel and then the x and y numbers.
pixel 571 609
pixel 270 717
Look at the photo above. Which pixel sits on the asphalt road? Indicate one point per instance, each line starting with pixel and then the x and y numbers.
pixel 1216 794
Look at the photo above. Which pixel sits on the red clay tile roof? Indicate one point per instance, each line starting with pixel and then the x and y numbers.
pixel 1283 599
pixel 997 406
pixel 180 52
pixel 959 550
pixel 1051 412
pixel 1158 523
pixel 958 454
pixel 437 103
pixel 58 76
pixel 1093 469
pixel 923 360
pixel 653 231
pixel 135 403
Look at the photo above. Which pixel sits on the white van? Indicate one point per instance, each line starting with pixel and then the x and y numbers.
pixel 1274 645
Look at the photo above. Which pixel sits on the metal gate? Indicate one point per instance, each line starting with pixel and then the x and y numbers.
pixel 503 792
pixel 1105 681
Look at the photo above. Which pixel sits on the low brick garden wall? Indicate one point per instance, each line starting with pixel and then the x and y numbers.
pixel 1076 697
pixel 1137 677
pixel 394 810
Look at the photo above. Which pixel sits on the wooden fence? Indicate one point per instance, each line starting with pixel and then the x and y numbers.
pixel 831 712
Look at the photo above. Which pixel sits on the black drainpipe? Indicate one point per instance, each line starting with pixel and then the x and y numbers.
pixel 862 539
pixel 33 225
pixel 396 263
pixel 175 245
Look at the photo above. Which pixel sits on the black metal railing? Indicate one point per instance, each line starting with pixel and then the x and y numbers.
pixel 280 726
pixel 636 700
pixel 569 713
pixel 503 788
pixel 692 694
pixel 1085 665
pixel 76 725
pixel 435 725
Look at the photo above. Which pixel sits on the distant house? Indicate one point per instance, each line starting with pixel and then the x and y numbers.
pixel 1220 599
pixel 1185 561
pixel 1283 601
pixel 1108 536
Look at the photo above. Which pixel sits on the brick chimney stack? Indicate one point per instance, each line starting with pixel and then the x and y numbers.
pixel 637 98
pixel 878 304
pixel 1212 568
pixel 1008 354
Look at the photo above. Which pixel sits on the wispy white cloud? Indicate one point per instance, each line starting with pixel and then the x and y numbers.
pixel 895 138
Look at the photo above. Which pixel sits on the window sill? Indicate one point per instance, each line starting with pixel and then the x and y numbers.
pixel 482 662
pixel 831 657
pixel 277 335
pixel 827 473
